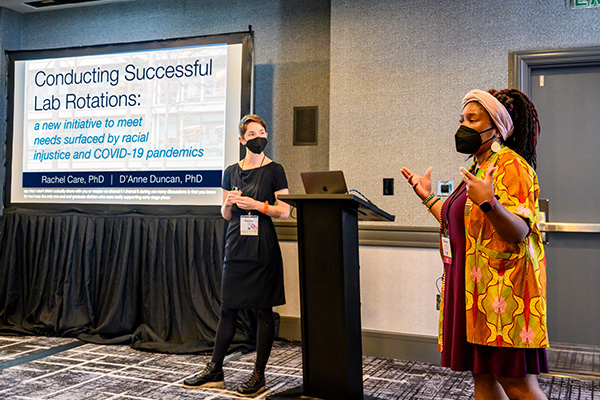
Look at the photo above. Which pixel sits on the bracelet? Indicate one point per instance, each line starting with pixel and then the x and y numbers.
pixel 429 207
pixel 429 198
pixel 264 210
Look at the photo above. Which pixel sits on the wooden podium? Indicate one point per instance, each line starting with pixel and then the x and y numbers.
pixel 330 295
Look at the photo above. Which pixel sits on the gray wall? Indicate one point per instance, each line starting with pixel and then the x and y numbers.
pixel 399 70
pixel 8 40
pixel 387 76
pixel 291 53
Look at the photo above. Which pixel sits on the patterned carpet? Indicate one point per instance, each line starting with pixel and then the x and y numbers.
pixel 580 360
pixel 60 368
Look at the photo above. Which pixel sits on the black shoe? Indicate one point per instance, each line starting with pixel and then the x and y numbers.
pixel 254 385
pixel 211 376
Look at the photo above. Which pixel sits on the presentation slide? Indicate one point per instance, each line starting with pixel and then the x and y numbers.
pixel 152 127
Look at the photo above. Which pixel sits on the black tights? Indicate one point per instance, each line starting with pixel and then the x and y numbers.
pixel 226 332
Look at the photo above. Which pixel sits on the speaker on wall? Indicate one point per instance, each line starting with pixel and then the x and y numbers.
pixel 305 126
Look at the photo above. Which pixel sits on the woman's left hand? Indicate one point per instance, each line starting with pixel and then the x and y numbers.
pixel 248 203
pixel 479 190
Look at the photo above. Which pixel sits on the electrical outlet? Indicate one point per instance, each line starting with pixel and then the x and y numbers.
pixel 388 186
pixel 445 188
pixel 438 300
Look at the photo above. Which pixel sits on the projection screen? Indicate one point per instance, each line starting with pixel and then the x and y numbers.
pixel 149 123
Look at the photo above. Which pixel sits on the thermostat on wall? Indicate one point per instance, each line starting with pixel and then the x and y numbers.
pixel 445 188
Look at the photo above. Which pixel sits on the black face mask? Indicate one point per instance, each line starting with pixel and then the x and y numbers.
pixel 468 140
pixel 257 145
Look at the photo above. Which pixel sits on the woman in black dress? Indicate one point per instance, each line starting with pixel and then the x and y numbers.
pixel 253 267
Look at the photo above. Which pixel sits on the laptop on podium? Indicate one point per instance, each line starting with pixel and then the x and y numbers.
pixel 324 182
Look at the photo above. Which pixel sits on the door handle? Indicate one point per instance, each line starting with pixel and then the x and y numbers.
pixel 574 227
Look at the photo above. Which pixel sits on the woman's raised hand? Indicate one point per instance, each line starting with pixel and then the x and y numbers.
pixel 479 190
pixel 421 184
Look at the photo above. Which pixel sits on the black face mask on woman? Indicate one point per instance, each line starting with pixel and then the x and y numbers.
pixel 468 140
pixel 257 145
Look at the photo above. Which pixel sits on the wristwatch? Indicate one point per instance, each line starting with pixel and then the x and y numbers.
pixel 488 205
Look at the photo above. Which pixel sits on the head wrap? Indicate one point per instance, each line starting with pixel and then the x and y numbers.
pixel 495 109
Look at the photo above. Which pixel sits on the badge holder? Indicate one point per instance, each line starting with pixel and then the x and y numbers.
pixel 446 251
pixel 249 225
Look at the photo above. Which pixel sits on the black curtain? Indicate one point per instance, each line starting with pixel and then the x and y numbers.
pixel 149 281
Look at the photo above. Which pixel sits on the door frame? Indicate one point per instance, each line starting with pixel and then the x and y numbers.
pixel 523 62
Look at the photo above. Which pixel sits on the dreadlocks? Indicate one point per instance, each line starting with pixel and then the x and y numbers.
pixel 525 120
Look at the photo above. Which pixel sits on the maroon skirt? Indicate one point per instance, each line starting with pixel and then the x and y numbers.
pixel 458 354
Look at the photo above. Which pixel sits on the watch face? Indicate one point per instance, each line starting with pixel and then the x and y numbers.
pixel 486 207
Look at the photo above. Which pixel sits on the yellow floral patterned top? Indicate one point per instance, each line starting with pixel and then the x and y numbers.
pixel 506 282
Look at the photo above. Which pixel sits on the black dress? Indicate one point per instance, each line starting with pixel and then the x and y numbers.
pixel 253 267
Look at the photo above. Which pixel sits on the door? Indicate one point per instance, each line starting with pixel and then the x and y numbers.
pixel 567 97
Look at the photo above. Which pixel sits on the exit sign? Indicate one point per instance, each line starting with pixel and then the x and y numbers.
pixel 584 3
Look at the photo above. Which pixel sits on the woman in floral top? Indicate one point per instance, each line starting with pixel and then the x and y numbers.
pixel 493 314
